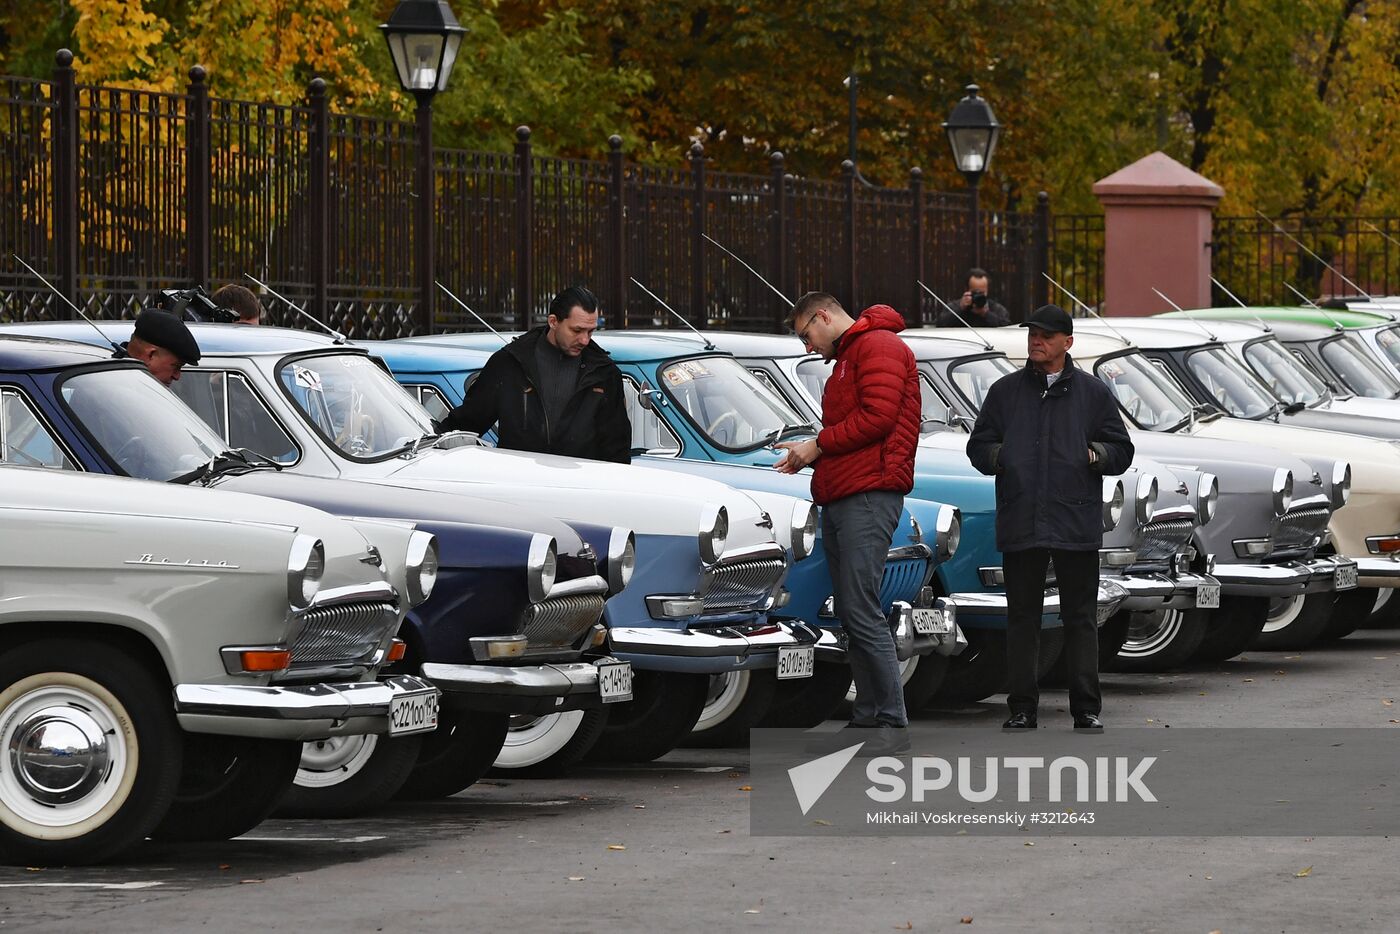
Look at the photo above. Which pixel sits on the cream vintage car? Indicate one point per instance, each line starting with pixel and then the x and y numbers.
pixel 165 652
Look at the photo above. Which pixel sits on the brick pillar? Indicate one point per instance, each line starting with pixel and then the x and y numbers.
pixel 1157 233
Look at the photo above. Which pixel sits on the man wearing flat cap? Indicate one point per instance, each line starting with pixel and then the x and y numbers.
pixel 162 342
pixel 1049 433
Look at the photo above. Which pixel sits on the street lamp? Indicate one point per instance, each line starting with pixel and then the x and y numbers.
pixel 973 132
pixel 423 37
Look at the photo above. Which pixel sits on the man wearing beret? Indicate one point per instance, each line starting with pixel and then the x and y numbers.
pixel 1049 433
pixel 162 342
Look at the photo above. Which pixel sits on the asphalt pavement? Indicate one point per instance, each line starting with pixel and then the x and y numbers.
pixel 665 846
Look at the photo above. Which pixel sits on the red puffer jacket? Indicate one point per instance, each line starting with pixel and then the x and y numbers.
pixel 871 411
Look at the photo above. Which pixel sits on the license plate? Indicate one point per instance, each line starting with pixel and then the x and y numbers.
pixel 930 622
pixel 1208 596
pixel 413 712
pixel 796 661
pixel 615 682
pixel 1346 576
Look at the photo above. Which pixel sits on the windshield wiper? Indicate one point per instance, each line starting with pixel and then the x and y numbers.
pixel 414 446
pixel 774 437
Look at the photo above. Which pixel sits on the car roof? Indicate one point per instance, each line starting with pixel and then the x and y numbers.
pixel 412 355
pixel 1163 334
pixel 22 354
pixel 1300 330
pixel 212 338
pixel 1352 318
pixel 1012 342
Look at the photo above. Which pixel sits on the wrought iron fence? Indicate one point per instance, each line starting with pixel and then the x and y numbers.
pixel 114 194
pixel 1076 245
pixel 1259 259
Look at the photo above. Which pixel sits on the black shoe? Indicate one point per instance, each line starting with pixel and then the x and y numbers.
pixel 885 741
pixel 1018 722
pixel 848 735
pixel 1087 723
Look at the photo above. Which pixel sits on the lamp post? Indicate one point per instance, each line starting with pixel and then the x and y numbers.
pixel 973 132
pixel 852 84
pixel 423 37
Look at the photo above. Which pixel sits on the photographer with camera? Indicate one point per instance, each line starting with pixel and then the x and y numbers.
pixel 976 308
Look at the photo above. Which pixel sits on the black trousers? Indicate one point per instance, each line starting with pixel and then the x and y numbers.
pixel 1077 576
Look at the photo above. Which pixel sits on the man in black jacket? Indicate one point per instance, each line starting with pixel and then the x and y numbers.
pixel 552 390
pixel 1049 433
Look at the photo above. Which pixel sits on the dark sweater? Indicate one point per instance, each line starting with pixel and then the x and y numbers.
pixel 558 379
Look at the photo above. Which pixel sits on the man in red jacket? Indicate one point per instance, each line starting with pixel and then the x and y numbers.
pixel 863 462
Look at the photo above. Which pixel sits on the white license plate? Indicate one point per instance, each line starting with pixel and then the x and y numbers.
pixel 1208 596
pixel 930 622
pixel 1346 576
pixel 413 712
pixel 796 661
pixel 615 682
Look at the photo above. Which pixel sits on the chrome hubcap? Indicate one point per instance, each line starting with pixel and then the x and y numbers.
pixel 1150 632
pixel 334 760
pixel 59 754
pixel 1283 611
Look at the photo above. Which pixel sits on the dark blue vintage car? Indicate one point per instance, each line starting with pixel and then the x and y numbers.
pixel 512 628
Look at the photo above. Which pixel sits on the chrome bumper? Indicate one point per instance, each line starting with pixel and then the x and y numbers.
pixel 1161 591
pixel 295 711
pixel 526 689
pixel 716 649
pixel 1289 578
pixel 987 610
pixel 1378 572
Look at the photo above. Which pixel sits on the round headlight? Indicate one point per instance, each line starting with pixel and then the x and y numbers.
pixel 305 566
pixel 1113 500
pixel 541 566
pixel 1283 490
pixel 954 534
pixel 1341 484
pixel 1146 498
pixel 714 532
pixel 804 530
pixel 622 559
pixel 422 567
pixel 1207 497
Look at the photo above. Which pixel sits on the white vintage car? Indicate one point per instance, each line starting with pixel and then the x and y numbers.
pixel 164 653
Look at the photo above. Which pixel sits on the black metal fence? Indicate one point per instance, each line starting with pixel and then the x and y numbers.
pixel 1266 262
pixel 114 194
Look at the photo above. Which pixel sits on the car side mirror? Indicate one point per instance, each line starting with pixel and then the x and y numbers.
pixel 650 399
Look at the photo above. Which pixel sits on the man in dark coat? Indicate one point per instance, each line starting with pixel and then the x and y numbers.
pixel 1049 433
pixel 162 342
pixel 975 308
pixel 552 390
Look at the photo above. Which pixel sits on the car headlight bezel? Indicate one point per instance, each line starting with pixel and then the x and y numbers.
pixel 1207 497
pixel 541 566
pixel 622 559
pixel 804 529
pixel 306 565
pixel 1282 489
pixel 1145 498
pixel 714 532
pixel 422 566
pixel 1113 502
pixel 1341 483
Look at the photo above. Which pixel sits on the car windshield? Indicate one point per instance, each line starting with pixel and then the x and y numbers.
pixel 354 404
pixel 1388 340
pixel 1149 396
pixel 724 400
pixel 139 425
pixel 1361 374
pixel 974 377
pixel 1281 372
pixel 1229 383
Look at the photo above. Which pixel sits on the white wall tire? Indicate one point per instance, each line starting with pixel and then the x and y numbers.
pixel 532 740
pixel 727 692
pixel 1295 622
pixel 1283 612
pixel 346 776
pixel 1160 640
pixel 329 762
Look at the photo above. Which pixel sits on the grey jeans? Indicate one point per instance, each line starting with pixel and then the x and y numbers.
pixel 856 535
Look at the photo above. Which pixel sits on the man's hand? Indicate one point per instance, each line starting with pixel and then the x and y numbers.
pixel 797 454
pixel 966 302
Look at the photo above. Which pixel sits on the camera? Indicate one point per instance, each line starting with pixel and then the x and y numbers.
pixel 195 305
pixel 979 299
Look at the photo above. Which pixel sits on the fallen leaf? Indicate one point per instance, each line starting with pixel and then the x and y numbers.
pixel 735 775
pixel 1395 721
pixel 1151 721
pixel 756 909
pixel 1248 680
pixel 1029 843
pixel 822 823
pixel 965 919
pixel 1216 931
pixel 225 866
pixel 33 868
pixel 1388 702
pixel 1201 694
pixel 746 788
pixel 906 926
pixel 250 881
pixel 1303 873
pixel 1288 658
pixel 639 807
pixel 1210 877
pixel 575 878
pixel 616 846
pixel 723 831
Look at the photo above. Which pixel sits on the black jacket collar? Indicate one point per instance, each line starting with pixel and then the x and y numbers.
pixel 1062 383
pixel 593 358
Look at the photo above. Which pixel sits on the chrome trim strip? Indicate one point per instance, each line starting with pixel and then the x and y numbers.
pixel 556 680
pixel 291 711
pixel 738 641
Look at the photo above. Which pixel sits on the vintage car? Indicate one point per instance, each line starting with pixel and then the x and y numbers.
pixel 669 433
pixel 1313 548
pixel 710 561
pixel 979 600
pixel 166 652
pixel 513 634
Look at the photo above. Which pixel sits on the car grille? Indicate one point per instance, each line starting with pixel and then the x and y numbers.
pixel 562 620
pixel 1162 540
pixel 341 632
pixel 902 580
pixel 743 583
pixel 1295 530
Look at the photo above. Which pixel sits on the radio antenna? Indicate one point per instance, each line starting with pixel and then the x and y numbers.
pixel 1189 317
pixel 1236 299
pixel 339 337
pixel 1309 302
pixel 985 343
pixel 737 259
pixel 1333 269
pixel 116 348
pixel 1087 309
pixel 679 316
pixel 469 311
